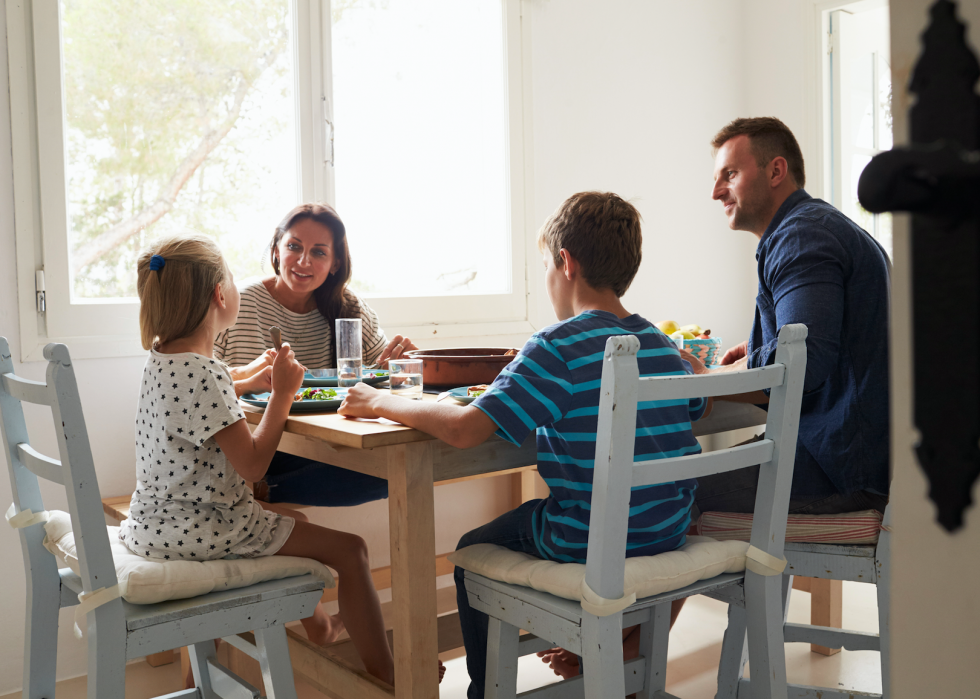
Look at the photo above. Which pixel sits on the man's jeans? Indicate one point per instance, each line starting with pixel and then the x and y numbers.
pixel 512 531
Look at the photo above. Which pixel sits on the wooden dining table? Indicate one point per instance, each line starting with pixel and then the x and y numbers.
pixel 413 463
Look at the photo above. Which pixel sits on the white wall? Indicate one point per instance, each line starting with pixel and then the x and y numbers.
pixel 625 96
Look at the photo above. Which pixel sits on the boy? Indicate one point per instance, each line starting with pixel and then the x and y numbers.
pixel 591 247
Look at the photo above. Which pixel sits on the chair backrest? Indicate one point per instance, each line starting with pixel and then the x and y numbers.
pixel 75 471
pixel 615 472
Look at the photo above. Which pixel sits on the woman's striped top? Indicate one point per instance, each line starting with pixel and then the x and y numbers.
pixel 552 387
pixel 309 334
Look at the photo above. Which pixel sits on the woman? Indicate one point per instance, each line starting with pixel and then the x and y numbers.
pixel 309 291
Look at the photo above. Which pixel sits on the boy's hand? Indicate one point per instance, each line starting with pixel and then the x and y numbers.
pixel 696 364
pixel 287 373
pixel 361 401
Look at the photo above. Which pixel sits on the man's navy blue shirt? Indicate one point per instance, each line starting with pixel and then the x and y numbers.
pixel 819 268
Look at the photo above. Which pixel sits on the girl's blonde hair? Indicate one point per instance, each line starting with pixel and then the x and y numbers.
pixel 174 300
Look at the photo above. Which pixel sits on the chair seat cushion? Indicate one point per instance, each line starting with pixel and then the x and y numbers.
pixel 699 558
pixel 850 528
pixel 149 582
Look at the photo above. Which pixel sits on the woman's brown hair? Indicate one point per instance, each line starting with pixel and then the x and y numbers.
pixel 330 298
pixel 175 297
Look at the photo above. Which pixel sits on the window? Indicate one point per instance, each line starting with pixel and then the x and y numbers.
pixel 148 118
pixel 859 119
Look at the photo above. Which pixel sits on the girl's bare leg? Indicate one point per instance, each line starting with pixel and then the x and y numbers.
pixel 359 605
pixel 321 628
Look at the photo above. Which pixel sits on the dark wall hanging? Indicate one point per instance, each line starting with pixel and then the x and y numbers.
pixel 937 180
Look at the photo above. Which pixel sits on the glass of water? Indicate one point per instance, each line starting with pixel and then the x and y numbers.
pixel 347 335
pixel 405 377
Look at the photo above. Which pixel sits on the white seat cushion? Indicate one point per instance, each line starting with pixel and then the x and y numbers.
pixel 149 582
pixel 700 558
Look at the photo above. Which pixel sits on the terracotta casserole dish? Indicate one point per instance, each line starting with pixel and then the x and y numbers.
pixel 462 366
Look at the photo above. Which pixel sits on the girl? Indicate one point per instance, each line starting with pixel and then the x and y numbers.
pixel 196 452
pixel 307 292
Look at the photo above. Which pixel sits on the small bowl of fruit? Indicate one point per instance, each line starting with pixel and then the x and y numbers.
pixel 692 338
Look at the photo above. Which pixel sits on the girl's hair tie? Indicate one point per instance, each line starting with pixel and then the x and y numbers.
pixel 156 263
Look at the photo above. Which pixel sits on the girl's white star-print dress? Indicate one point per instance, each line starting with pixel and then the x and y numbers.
pixel 190 504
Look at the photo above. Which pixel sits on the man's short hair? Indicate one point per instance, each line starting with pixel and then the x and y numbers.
pixel 770 138
pixel 602 232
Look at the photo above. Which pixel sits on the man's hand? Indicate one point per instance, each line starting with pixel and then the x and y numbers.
pixel 259 382
pixel 696 364
pixel 287 373
pixel 736 353
pixel 396 348
pixel 361 401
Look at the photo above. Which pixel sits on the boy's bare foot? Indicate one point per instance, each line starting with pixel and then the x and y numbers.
pixel 321 628
pixel 564 663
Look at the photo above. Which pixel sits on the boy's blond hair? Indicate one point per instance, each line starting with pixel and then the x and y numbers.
pixel 602 232
pixel 175 299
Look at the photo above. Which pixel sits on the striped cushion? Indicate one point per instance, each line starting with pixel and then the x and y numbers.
pixel 850 528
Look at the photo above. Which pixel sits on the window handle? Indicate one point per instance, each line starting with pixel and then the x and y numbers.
pixel 327 135
pixel 39 290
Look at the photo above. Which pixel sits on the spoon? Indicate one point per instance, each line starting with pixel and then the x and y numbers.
pixel 276 334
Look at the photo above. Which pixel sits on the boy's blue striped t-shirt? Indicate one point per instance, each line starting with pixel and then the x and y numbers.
pixel 552 386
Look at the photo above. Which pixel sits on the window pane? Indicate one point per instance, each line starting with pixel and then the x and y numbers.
pixel 179 115
pixel 420 116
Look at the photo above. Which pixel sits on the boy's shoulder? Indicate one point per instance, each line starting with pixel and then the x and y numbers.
pixel 592 327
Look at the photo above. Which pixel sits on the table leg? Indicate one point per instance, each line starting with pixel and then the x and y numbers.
pixel 413 571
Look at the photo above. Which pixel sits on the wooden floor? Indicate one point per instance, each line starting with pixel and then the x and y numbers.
pixel 694 649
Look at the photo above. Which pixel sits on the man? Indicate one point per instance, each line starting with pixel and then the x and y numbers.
pixel 819 268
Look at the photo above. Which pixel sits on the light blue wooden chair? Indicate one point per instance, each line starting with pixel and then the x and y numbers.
pixel 555 621
pixel 117 630
pixel 865 564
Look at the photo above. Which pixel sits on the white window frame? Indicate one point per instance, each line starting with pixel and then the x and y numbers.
pixel 818 134
pixel 111 328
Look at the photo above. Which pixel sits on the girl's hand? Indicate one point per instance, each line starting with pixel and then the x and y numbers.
pixel 287 373
pixel 361 401
pixel 396 348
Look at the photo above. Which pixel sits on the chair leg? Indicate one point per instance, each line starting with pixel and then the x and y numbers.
pixel 734 654
pixel 602 655
pixel 277 670
pixel 883 565
pixel 502 640
pixel 41 636
pixel 653 646
pixel 199 654
pixel 767 654
pixel 107 652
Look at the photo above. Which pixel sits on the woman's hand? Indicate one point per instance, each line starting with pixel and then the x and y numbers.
pixel 361 401
pixel 264 360
pixel 260 382
pixel 287 373
pixel 396 348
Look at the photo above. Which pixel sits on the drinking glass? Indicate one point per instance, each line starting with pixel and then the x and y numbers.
pixel 348 337
pixel 405 377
